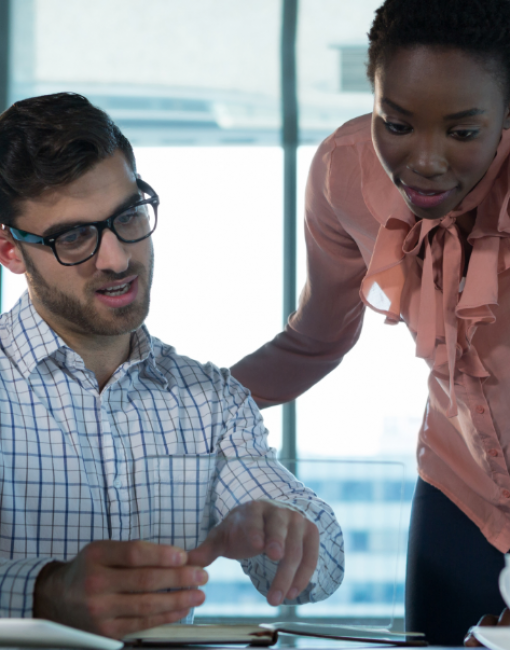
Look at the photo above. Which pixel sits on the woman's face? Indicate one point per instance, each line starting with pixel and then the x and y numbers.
pixel 437 122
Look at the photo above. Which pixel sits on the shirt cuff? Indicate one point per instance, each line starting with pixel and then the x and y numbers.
pixel 17 584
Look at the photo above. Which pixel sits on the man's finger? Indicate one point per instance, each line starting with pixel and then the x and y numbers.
pixel 276 525
pixel 151 579
pixel 146 605
pixel 240 535
pixel 309 561
pixel 291 560
pixel 134 554
pixel 209 550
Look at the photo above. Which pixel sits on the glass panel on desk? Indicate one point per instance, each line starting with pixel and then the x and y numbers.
pixel 370 500
pixel 369 408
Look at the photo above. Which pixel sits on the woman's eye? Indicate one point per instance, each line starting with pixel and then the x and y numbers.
pixel 397 129
pixel 465 134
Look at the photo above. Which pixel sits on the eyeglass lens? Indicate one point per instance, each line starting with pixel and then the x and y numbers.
pixel 132 225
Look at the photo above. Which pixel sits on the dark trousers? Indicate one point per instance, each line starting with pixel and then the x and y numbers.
pixel 452 570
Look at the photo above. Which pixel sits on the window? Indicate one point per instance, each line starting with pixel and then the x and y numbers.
pixel 352 64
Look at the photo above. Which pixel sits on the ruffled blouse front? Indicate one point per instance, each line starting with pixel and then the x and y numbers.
pixel 444 308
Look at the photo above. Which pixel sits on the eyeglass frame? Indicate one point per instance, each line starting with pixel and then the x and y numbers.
pixel 100 226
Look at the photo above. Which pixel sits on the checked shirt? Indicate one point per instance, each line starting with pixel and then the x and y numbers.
pixel 162 453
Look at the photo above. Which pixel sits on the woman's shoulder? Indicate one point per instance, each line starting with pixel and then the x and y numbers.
pixel 342 159
pixel 348 146
pixel 354 132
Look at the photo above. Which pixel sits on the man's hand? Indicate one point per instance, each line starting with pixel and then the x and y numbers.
pixel 471 641
pixel 114 588
pixel 284 535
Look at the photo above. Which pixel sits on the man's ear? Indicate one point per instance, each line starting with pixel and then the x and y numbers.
pixel 10 253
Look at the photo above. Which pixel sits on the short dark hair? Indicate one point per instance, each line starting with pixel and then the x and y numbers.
pixel 49 141
pixel 477 27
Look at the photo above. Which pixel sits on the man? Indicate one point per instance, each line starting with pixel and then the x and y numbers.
pixel 94 412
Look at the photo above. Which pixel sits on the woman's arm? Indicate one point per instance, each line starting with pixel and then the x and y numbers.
pixel 328 320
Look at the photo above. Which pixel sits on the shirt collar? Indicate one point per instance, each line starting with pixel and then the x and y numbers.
pixel 142 352
pixel 33 341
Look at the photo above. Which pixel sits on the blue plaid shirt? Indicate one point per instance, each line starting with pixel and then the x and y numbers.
pixel 132 461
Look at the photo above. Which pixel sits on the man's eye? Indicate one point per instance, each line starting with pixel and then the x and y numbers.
pixel 75 237
pixel 397 129
pixel 127 217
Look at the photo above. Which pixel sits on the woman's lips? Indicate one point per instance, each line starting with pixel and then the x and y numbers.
pixel 426 199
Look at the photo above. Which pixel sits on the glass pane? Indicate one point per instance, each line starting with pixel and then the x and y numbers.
pixel 370 501
pixel 332 46
pixel 370 407
pixel 167 71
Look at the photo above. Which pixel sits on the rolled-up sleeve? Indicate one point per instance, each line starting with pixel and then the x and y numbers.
pixel 248 471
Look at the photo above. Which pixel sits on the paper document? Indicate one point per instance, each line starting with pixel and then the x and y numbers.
pixel 38 633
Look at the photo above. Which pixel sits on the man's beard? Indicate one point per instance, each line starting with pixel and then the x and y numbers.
pixel 82 315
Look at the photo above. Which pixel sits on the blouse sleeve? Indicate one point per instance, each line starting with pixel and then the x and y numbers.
pixel 329 317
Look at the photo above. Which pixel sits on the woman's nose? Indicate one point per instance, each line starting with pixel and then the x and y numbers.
pixel 428 157
pixel 112 255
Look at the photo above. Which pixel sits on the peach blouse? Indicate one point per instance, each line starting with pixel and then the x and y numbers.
pixel 366 248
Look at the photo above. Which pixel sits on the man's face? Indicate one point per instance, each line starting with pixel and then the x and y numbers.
pixel 108 295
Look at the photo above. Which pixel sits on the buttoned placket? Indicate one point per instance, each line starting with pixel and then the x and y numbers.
pixel 120 471
pixel 116 473
pixel 110 461
pixel 484 424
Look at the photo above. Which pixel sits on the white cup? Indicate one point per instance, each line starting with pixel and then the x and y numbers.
pixel 504 581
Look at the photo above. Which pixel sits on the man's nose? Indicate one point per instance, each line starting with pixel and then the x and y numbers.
pixel 428 156
pixel 113 255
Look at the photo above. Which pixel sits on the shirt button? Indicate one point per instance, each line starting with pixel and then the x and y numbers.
pixel 506 493
pixel 118 483
pixel 480 409
pixel 493 452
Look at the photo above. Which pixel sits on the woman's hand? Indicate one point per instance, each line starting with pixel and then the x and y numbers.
pixel 488 620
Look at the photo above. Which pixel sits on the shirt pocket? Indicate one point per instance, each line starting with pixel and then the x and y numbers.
pixel 173 497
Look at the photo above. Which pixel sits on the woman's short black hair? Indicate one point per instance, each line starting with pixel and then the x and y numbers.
pixel 477 27
pixel 49 141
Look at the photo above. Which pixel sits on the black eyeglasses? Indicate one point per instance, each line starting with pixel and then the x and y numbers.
pixel 78 244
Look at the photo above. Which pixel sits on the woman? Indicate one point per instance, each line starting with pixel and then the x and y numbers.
pixel 407 212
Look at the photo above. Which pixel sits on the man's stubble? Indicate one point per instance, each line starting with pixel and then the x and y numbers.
pixel 82 315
